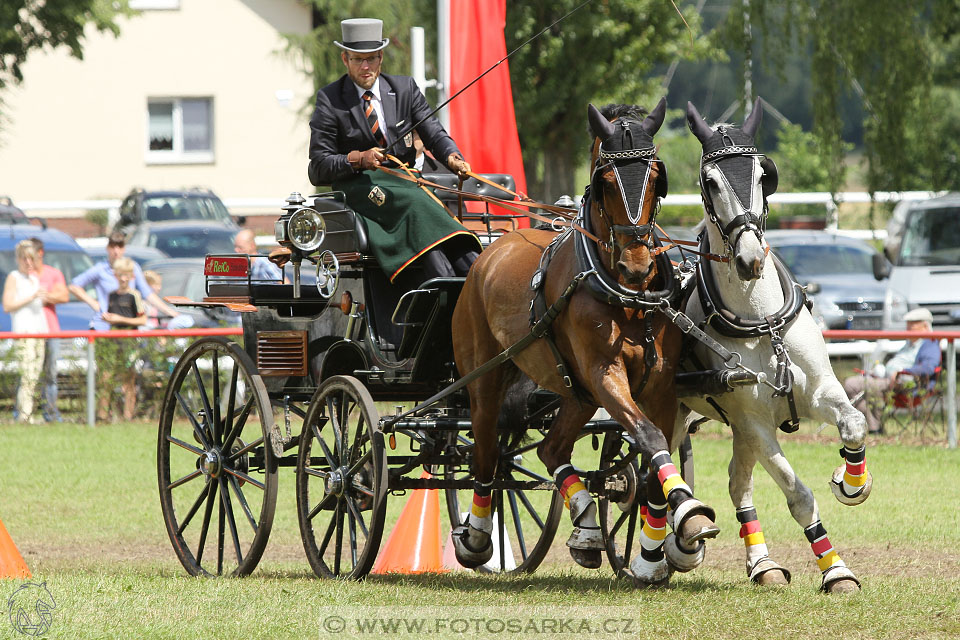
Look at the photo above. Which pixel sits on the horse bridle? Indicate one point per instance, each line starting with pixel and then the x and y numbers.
pixel 637 233
pixel 740 224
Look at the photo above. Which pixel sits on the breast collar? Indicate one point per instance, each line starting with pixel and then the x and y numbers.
pixel 733 326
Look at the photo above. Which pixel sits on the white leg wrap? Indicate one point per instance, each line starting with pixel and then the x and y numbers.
pixel 649 572
pixel 846 493
pixel 837 572
pixel 481 524
pixel 690 506
pixel 583 510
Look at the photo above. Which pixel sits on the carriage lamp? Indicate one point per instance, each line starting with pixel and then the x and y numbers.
pixel 300 227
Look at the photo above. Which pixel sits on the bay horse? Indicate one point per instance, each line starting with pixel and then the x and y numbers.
pixel 749 304
pixel 608 347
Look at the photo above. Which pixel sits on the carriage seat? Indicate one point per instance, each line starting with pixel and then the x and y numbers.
pixel 346 231
pixel 472 185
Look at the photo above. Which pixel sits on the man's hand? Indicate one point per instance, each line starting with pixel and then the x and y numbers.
pixel 369 159
pixel 458 165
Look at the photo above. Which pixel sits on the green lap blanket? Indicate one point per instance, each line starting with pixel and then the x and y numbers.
pixel 403 222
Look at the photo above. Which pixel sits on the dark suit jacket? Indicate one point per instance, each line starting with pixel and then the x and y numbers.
pixel 338 126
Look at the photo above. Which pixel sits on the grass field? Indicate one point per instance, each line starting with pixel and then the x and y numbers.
pixel 82 506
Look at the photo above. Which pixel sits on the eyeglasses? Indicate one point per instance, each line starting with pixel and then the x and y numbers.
pixel 371 61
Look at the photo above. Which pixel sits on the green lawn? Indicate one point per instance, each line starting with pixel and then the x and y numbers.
pixel 82 506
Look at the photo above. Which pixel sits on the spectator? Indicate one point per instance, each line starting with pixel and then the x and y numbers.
pixel 101 277
pixel 155 319
pixel 53 288
pixel 125 310
pixel 23 300
pixel 917 359
pixel 260 268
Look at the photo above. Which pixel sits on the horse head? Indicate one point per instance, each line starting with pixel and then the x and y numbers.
pixel 735 182
pixel 628 180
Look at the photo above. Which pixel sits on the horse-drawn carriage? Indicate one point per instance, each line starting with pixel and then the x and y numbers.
pixel 592 316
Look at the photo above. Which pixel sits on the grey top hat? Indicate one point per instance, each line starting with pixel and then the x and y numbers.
pixel 362 35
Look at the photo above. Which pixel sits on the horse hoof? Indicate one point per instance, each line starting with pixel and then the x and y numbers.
pixel 697 527
pixel 587 558
pixel 467 555
pixel 839 580
pixel 680 558
pixel 767 573
pixel 836 485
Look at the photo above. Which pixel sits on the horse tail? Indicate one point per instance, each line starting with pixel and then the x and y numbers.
pixel 512 421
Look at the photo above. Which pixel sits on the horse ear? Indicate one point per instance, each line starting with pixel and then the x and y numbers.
pixel 752 123
pixel 697 125
pixel 653 122
pixel 601 127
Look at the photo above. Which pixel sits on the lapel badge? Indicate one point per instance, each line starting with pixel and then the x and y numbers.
pixel 408 140
pixel 377 196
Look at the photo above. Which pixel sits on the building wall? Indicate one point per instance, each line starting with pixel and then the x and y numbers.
pixel 77 129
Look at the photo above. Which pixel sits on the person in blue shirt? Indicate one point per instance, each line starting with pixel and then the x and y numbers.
pixel 260 268
pixel 102 279
pixel 916 362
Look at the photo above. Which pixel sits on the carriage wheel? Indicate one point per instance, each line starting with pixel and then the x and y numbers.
pixel 341 480
pixel 626 492
pixel 526 518
pixel 217 477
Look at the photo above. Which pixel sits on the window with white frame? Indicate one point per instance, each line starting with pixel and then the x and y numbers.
pixel 179 130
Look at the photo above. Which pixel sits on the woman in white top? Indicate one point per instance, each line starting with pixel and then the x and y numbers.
pixel 23 300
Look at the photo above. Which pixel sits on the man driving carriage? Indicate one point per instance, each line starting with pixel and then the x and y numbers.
pixel 357 121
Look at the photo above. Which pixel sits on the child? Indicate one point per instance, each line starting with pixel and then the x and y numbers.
pixel 125 310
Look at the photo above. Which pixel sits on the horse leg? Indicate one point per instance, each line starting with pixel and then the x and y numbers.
pixel 761 569
pixel 472 540
pixel 836 577
pixel 586 541
pixel 850 482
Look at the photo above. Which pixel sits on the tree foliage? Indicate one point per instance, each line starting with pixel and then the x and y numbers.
pixel 26 25
pixel 605 52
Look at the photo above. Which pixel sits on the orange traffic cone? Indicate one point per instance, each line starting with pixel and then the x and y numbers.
pixel 12 564
pixel 414 543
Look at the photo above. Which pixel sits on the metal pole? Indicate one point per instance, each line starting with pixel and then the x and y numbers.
pixel 417 65
pixel 91 395
pixel 952 393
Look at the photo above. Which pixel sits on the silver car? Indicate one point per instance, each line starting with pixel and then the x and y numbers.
pixel 840 273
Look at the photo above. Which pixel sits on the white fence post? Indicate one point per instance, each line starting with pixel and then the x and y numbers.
pixel 91 385
pixel 952 393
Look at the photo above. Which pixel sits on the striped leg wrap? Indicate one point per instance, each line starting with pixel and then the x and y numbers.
pixel 855 475
pixel 675 490
pixel 653 532
pixel 480 516
pixel 826 556
pixel 575 497
pixel 752 534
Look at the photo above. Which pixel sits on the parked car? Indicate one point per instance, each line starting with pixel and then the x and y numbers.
pixel 141 255
pixel 923 241
pixel 191 239
pixel 839 272
pixel 142 206
pixel 184 277
pixel 12 214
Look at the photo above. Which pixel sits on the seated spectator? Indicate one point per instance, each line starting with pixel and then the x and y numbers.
pixel 125 310
pixel 916 359
pixel 260 268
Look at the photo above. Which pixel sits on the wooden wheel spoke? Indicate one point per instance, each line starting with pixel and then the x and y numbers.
pixel 529 507
pixel 193 509
pixel 243 504
pixel 246 478
pixel 208 511
pixel 517 526
pixel 620 520
pixel 631 532
pixel 203 392
pixel 221 536
pixel 231 397
pixel 502 531
pixel 186 445
pixel 244 450
pixel 328 534
pixel 353 533
pixel 215 369
pixel 320 505
pixel 332 414
pixel 358 515
pixel 238 426
pixel 521 469
pixel 316 473
pixel 197 428
pixel 362 460
pixel 184 480
pixel 331 459
pixel 231 519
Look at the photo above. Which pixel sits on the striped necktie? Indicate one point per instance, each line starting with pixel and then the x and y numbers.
pixel 372 120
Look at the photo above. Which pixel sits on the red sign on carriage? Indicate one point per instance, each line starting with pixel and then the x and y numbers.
pixel 227 266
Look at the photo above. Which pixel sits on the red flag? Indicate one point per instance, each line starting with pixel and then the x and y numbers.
pixel 482 119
